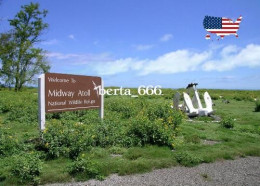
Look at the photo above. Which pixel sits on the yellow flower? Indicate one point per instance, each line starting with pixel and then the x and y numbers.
pixel 47 144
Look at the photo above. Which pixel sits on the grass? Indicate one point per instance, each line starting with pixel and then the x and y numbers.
pixel 240 141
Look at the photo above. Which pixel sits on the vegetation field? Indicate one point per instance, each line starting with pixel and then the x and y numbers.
pixel 137 135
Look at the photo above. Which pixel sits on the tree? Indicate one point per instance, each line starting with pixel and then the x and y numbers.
pixel 21 61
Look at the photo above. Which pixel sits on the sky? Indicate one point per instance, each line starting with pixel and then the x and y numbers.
pixel 149 42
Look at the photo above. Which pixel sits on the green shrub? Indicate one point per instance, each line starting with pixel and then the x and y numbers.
pixel 109 133
pixel 156 111
pixel 168 96
pixel 257 106
pixel 243 98
pixel 23 114
pixel 60 139
pixel 175 118
pixel 70 139
pixel 126 108
pixel 26 167
pixel 85 167
pixel 143 131
pixel 150 126
pixel 77 166
pixel 227 122
pixel 187 159
pixel 238 98
pixel 214 97
pixel 21 107
pixel 8 144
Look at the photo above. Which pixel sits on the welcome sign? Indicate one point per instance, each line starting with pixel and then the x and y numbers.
pixel 71 92
pixel 64 92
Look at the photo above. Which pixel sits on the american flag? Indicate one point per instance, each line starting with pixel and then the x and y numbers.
pixel 221 26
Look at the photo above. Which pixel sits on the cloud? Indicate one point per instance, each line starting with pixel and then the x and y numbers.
pixel 214 59
pixel 143 47
pixel 80 59
pixel 174 62
pixel 50 42
pixel 62 56
pixel 118 66
pixel 166 37
pixel 71 36
pixel 232 57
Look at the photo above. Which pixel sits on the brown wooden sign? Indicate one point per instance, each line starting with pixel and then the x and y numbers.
pixel 65 92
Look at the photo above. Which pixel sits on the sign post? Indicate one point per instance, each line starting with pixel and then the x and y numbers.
pixel 63 92
pixel 41 101
pixel 101 111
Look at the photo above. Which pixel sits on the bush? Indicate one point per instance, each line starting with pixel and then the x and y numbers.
pixel 156 111
pixel 155 123
pixel 257 106
pixel 27 167
pixel 60 139
pixel 126 108
pixel 214 97
pixel 21 107
pixel 187 159
pixel 23 114
pixel 238 98
pixel 8 144
pixel 242 98
pixel 77 166
pixel 84 167
pixel 227 122
pixel 140 130
pixel 143 131
pixel 70 139
pixel 109 133
pixel 160 131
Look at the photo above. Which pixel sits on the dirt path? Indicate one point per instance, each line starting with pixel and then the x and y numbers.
pixel 243 171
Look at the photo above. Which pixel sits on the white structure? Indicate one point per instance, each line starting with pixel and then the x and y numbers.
pixel 193 106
